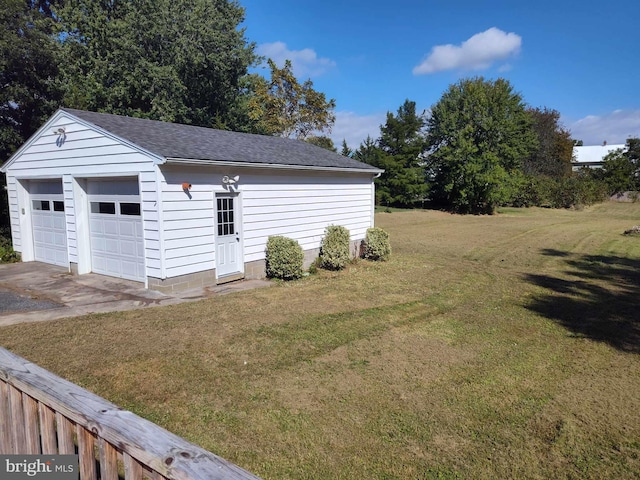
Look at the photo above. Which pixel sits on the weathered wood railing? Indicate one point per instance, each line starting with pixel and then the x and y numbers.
pixel 41 413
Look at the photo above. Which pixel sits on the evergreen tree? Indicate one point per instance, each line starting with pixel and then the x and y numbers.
pixel 402 145
pixel 346 151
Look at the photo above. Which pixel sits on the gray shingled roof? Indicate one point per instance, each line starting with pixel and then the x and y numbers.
pixel 173 140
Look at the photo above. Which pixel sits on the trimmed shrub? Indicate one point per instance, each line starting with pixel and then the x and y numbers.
pixel 334 252
pixel 7 254
pixel 376 245
pixel 284 258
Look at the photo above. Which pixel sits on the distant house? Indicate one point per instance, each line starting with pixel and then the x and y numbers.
pixel 592 156
pixel 175 206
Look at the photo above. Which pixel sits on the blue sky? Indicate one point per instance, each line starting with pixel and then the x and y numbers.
pixel 580 58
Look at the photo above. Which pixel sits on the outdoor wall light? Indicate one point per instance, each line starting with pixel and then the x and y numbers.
pixel 62 136
pixel 227 180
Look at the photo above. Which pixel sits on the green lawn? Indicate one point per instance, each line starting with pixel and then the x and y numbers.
pixel 503 346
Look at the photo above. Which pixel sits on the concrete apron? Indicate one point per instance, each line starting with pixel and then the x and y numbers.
pixel 91 293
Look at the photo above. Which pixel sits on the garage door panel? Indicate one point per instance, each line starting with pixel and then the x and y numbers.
pixel 49 223
pixel 117 247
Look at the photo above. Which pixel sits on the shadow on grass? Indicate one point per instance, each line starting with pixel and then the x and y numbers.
pixel 598 297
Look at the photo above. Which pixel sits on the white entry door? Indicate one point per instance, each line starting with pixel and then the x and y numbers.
pixel 228 239
pixel 116 233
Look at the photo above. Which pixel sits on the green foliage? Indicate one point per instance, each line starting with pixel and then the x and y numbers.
pixel 621 168
pixel 29 60
pixel 284 258
pixel 376 245
pixel 323 142
pixel 171 60
pixel 7 254
pixel 334 252
pixel 282 106
pixel 399 153
pixel 577 190
pixel 478 134
pixel 554 153
pixel 345 150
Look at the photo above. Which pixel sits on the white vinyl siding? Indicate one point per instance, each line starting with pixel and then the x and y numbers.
pixel 272 202
pixel 303 209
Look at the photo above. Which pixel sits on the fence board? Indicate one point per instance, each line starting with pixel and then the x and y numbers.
pixel 48 430
pixel 132 469
pixel 5 420
pixel 146 443
pixel 17 421
pixel 86 454
pixel 108 460
pixel 65 435
pixel 32 432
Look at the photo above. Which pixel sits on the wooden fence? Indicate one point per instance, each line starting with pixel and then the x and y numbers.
pixel 41 413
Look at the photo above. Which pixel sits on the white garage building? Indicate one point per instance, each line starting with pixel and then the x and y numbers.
pixel 175 206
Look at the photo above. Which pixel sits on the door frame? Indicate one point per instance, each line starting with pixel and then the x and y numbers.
pixel 237 211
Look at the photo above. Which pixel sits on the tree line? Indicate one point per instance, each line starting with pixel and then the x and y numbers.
pixel 481 146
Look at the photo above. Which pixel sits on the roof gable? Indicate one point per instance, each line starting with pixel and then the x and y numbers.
pixel 207 145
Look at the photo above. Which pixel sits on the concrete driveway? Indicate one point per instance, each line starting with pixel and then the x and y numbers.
pixel 34 291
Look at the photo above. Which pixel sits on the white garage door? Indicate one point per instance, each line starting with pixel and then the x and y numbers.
pixel 48 223
pixel 117 247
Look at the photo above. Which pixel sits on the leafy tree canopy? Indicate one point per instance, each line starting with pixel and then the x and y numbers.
pixel 324 142
pixel 172 60
pixel 29 61
pixel 478 135
pixel 282 106
pixel 621 168
pixel 554 153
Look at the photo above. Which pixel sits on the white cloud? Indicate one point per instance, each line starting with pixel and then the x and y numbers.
pixel 477 53
pixel 354 128
pixel 614 127
pixel 305 62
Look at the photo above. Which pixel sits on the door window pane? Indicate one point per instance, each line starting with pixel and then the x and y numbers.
pixel 225 216
pixel 41 205
pixel 58 206
pixel 130 209
pixel 108 208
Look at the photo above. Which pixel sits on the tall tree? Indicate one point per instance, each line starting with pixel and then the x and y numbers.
pixel 402 143
pixel 345 150
pixel 552 157
pixel 282 106
pixel 478 135
pixel 369 152
pixel 30 91
pixel 172 60
pixel 29 59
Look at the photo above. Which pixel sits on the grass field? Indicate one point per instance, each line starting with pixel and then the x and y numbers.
pixel 503 346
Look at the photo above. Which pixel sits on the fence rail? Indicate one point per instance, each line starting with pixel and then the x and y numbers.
pixel 41 413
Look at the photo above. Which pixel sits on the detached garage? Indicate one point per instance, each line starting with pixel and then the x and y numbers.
pixel 175 206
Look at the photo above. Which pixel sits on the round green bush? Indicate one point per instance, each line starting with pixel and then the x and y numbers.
pixel 284 258
pixel 376 245
pixel 334 252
